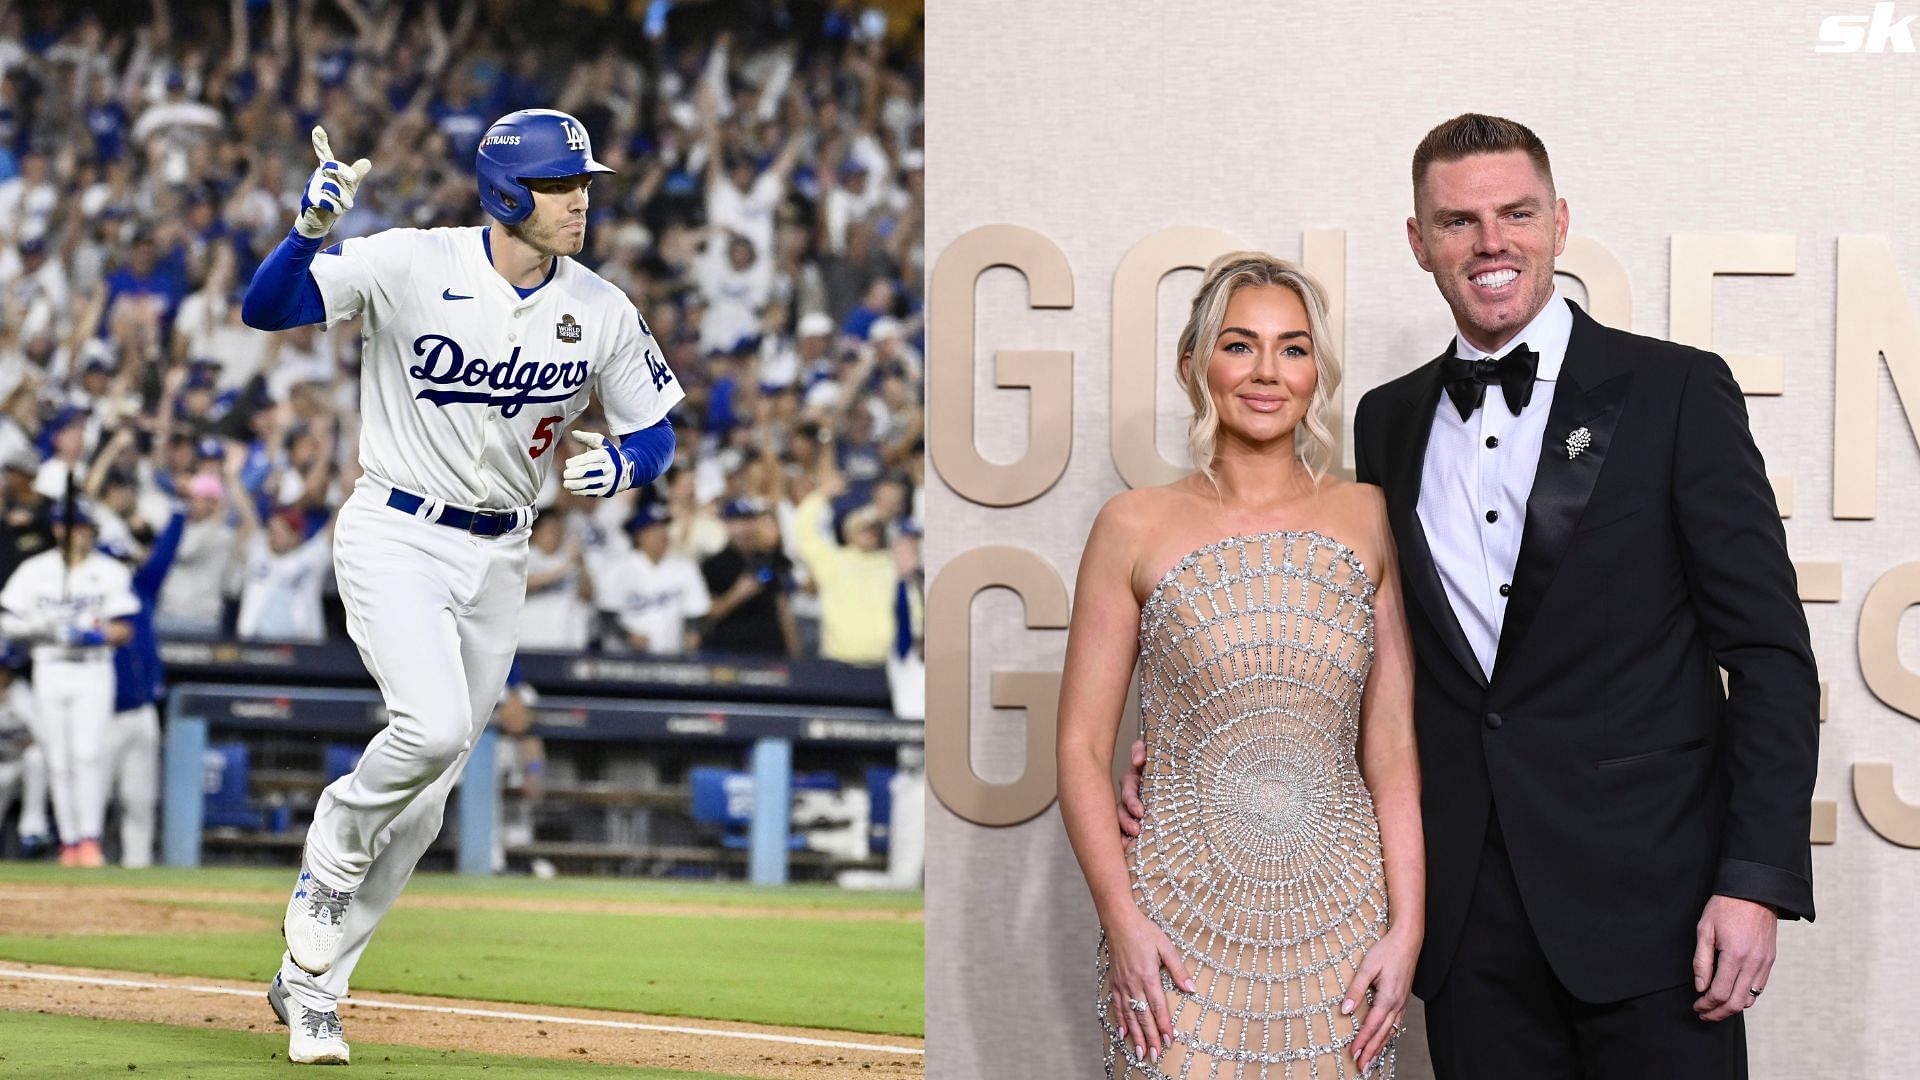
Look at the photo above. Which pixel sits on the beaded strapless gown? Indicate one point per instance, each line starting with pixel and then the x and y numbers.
pixel 1259 853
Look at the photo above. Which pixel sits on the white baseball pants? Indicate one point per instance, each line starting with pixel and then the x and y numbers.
pixel 33 793
pixel 73 708
pixel 436 615
pixel 135 769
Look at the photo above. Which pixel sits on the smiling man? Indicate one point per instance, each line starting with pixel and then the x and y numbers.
pixel 1587 537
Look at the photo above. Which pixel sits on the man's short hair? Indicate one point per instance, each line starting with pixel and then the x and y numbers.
pixel 1477 133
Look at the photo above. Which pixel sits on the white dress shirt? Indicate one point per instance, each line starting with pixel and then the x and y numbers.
pixel 1476 478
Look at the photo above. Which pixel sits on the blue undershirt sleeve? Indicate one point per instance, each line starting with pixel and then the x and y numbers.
pixel 153 573
pixel 283 293
pixel 648 452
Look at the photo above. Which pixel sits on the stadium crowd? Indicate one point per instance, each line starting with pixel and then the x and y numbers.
pixel 765 218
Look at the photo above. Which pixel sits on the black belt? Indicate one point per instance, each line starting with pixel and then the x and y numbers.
pixel 73 654
pixel 475 522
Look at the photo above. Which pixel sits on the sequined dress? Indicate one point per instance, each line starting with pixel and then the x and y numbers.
pixel 1259 853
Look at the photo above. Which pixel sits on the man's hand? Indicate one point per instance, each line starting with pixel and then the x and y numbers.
pixel 1131 810
pixel 745 587
pixel 1733 952
pixel 598 472
pixel 834 483
pixel 329 190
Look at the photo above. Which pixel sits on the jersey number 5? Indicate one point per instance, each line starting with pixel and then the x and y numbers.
pixel 543 437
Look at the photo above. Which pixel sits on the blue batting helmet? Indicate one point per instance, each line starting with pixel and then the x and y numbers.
pixel 532 144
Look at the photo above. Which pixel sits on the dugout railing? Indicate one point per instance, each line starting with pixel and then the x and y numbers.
pixel 589 705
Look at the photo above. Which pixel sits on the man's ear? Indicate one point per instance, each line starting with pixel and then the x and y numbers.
pixel 1418 244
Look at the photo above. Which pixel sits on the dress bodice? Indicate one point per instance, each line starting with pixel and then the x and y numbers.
pixel 1279 621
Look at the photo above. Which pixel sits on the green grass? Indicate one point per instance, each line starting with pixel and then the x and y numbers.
pixel 47 1047
pixel 717 893
pixel 749 968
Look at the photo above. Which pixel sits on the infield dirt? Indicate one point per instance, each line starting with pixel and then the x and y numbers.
pixel 172 1002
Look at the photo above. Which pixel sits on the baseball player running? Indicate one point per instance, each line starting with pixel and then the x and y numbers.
pixel 72 603
pixel 480 345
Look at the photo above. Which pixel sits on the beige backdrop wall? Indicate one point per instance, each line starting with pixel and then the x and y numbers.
pixel 1683 141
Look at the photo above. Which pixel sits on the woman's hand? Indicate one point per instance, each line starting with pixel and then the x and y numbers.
pixel 1139 949
pixel 1387 970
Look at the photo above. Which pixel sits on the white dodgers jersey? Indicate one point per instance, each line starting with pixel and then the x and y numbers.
pixel 465 387
pixel 89 595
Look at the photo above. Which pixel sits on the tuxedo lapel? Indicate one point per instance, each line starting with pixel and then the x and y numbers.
pixel 1586 409
pixel 1411 426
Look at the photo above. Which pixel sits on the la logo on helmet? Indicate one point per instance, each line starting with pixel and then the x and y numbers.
pixel 576 139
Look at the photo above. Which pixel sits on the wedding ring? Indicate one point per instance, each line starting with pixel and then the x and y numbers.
pixel 1753 990
pixel 1137 1005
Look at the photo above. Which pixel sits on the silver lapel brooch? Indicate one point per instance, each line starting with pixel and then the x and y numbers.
pixel 1578 442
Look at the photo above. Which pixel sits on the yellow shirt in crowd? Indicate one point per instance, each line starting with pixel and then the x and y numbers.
pixel 856 588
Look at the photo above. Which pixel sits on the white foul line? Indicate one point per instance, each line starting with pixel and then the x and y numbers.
pixel 497 1014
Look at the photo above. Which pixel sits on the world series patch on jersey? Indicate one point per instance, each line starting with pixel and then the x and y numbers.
pixel 466 387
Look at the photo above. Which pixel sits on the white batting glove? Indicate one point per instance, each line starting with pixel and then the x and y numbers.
pixel 329 190
pixel 601 471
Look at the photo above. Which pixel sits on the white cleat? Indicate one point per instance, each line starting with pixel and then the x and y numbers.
pixel 316 1039
pixel 312 925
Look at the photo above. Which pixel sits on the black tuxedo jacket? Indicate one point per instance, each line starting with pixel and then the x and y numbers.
pixel 1630 785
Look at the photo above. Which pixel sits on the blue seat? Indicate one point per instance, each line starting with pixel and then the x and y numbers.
pixel 341 760
pixel 226 779
pixel 723 800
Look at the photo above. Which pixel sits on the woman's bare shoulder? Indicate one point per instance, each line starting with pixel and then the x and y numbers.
pixel 1353 495
pixel 1141 510
pixel 1133 526
pixel 1358 513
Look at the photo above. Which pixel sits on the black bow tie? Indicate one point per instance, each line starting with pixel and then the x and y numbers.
pixel 1467 380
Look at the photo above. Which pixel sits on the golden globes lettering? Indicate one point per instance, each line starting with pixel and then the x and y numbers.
pixel 1875 326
